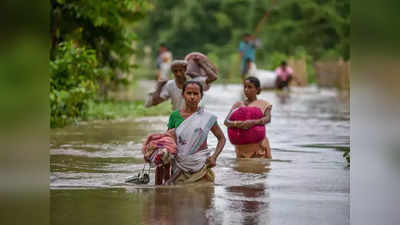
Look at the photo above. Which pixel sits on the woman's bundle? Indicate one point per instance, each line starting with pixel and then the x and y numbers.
pixel 159 148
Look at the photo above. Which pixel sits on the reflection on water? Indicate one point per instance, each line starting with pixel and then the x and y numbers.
pixel 251 204
pixel 167 205
pixel 182 205
pixel 306 182
pixel 251 165
pixel 283 96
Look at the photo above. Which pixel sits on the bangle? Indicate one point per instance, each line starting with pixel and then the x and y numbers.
pixel 234 123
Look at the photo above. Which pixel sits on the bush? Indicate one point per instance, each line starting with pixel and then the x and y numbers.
pixel 73 76
pixel 275 60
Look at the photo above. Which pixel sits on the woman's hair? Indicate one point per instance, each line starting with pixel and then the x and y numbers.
pixel 192 82
pixel 254 80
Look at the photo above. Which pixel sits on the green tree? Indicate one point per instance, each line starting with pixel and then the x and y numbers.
pixel 106 26
pixel 216 26
pixel 101 34
pixel 70 95
pixel 319 26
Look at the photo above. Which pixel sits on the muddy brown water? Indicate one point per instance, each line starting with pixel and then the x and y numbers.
pixel 306 182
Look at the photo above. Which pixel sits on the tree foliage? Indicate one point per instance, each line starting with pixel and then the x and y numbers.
pixel 105 26
pixel 69 95
pixel 318 26
pixel 101 35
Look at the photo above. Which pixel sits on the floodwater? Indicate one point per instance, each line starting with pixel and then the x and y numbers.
pixel 306 182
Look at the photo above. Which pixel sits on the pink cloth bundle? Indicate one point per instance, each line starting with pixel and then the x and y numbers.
pixel 158 148
pixel 253 135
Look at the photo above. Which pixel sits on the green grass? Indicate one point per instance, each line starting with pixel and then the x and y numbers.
pixel 122 109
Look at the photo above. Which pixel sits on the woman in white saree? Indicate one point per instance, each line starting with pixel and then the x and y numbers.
pixel 193 160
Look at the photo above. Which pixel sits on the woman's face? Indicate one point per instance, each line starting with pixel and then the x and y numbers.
pixel 192 95
pixel 250 90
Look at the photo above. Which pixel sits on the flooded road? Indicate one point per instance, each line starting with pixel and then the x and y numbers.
pixel 306 182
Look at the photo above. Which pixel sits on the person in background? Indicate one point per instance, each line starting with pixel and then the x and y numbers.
pixel 164 61
pixel 284 76
pixel 172 89
pixel 247 53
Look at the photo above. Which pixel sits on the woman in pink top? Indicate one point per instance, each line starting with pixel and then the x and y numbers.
pixel 284 76
pixel 260 149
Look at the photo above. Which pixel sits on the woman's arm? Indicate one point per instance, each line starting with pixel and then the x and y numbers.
pixel 266 119
pixel 216 130
pixel 251 123
pixel 229 123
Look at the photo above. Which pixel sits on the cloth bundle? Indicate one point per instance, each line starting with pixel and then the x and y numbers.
pixel 255 134
pixel 193 69
pixel 159 148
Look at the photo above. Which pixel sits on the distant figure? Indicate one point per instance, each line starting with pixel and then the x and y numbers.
pixel 164 61
pixel 284 76
pixel 247 53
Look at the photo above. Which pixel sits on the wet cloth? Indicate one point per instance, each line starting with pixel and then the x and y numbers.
pixel 255 134
pixel 175 119
pixel 280 84
pixel 190 158
pixel 255 149
pixel 158 149
pixel 204 174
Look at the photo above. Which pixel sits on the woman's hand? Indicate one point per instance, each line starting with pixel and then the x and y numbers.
pixel 211 162
pixel 216 130
pixel 245 125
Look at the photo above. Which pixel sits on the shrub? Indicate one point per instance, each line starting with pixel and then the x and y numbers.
pixel 73 76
